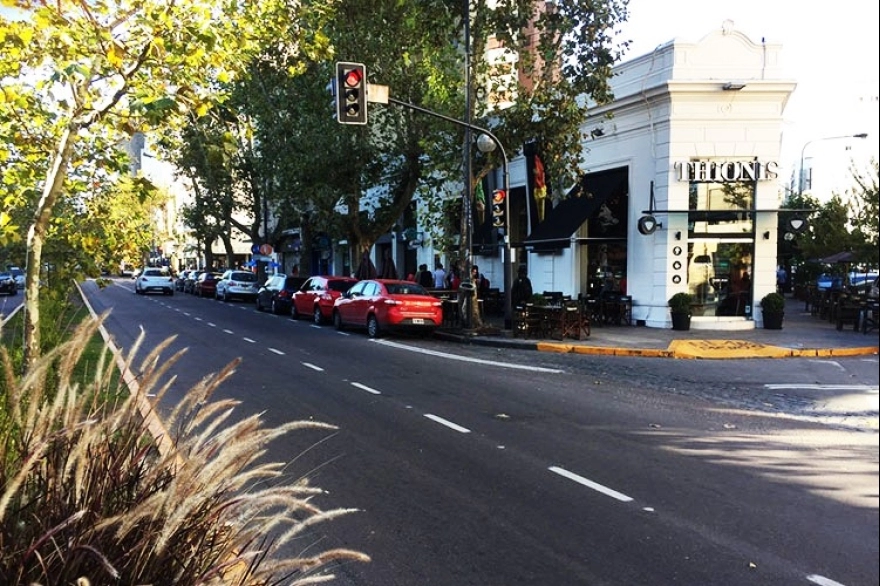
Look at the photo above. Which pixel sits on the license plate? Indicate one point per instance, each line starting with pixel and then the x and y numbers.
pixel 418 321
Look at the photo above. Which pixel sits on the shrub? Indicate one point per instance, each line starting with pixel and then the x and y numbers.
pixel 681 302
pixel 90 492
pixel 773 303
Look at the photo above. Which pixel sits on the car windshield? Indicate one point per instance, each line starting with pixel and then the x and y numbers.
pixel 152 273
pixel 246 277
pixel 405 289
pixel 341 286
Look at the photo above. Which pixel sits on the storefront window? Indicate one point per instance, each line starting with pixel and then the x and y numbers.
pixel 721 248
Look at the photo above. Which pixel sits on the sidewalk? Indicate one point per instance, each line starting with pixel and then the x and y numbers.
pixel 802 335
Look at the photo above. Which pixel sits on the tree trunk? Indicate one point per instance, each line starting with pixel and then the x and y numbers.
pixel 35 237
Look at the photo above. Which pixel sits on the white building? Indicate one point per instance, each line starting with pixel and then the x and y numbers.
pixel 692 145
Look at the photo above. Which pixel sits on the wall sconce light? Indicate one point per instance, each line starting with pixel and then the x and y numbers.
pixel 648 225
pixel 733 86
pixel 767 235
pixel 678 235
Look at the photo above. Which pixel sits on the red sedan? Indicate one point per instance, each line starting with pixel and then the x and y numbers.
pixel 206 284
pixel 317 295
pixel 385 304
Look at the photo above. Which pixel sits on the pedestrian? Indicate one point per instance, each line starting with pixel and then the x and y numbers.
pixel 479 281
pixel 781 278
pixel 425 277
pixel 521 291
pixel 439 277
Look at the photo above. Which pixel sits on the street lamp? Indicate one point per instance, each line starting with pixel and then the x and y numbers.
pixel 801 181
pixel 486 143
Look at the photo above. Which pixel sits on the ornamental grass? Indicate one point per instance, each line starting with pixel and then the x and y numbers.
pixel 90 494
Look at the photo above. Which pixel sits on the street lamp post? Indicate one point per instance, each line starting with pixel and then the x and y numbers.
pixel 801 181
pixel 487 143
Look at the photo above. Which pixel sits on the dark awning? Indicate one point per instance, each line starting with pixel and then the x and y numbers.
pixel 582 203
pixel 564 220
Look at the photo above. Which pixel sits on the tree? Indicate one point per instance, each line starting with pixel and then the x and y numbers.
pixel 79 78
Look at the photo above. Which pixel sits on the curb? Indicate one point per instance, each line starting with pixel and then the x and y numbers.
pixel 677 349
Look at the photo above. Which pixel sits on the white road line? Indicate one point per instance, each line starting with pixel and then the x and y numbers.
pixel 312 366
pixel 249 340
pixel 228 331
pixel 366 388
pixel 199 319
pixel 466 359
pixel 822 580
pixel 590 484
pixel 817 387
pixel 447 423
pixel 279 352
pixel 213 325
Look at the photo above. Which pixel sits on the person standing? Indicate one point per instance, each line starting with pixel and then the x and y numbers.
pixel 425 277
pixel 521 291
pixel 439 277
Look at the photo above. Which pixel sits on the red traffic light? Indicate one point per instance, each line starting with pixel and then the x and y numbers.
pixel 351 95
pixel 353 78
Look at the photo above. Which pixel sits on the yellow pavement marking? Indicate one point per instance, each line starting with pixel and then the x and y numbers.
pixel 725 349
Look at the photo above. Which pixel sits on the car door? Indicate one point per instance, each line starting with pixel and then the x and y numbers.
pixel 364 302
pixel 347 305
pixel 302 299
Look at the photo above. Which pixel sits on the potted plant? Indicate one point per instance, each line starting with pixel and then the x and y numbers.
pixel 773 310
pixel 680 309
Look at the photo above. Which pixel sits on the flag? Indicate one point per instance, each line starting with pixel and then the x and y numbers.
pixel 540 187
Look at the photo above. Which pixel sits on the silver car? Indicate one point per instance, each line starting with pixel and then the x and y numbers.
pixel 237 284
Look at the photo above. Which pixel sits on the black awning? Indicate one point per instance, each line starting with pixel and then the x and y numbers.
pixel 583 203
pixel 563 221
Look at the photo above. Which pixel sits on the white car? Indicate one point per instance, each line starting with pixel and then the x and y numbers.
pixel 240 284
pixel 154 280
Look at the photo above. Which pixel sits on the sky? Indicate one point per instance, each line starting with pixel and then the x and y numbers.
pixel 831 49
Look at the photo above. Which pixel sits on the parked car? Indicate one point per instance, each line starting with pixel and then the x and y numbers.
pixel 180 280
pixel 206 285
pixel 151 279
pixel 317 296
pixel 276 293
pixel 18 275
pixel 237 284
pixel 189 285
pixel 7 284
pixel 874 291
pixel 387 304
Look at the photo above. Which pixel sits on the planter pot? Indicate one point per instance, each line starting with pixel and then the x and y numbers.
pixel 681 321
pixel 773 320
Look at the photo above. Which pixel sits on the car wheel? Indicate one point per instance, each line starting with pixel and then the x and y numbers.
pixel 337 321
pixel 318 316
pixel 171 292
pixel 275 309
pixel 373 327
pixel 259 305
pixel 294 314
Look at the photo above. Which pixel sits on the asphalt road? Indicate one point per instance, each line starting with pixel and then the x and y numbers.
pixel 480 466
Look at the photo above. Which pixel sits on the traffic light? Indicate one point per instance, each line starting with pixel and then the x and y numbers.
pixel 351 93
pixel 498 197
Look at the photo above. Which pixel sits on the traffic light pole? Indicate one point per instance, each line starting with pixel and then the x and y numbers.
pixel 508 270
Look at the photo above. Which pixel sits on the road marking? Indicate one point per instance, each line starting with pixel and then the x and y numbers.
pixel 229 331
pixel 279 352
pixel 466 359
pixel 199 319
pixel 447 423
pixel 822 580
pixel 312 366
pixel 366 388
pixel 818 387
pixel 249 340
pixel 212 324
pixel 590 484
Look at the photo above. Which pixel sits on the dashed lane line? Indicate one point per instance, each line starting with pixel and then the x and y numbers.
pixel 590 484
pixel 447 423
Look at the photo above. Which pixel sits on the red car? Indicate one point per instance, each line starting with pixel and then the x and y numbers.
pixel 317 295
pixel 385 304
pixel 206 284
